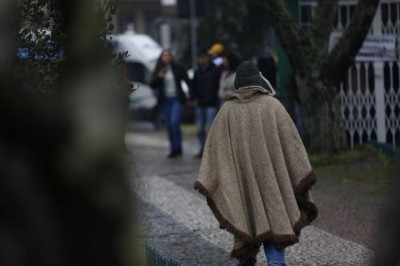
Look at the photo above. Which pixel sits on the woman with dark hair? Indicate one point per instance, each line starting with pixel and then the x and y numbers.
pixel 166 80
pixel 231 62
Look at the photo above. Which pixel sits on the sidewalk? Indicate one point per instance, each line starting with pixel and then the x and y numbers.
pixel 177 222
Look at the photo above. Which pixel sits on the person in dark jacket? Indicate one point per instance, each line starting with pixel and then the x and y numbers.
pixel 204 94
pixel 166 81
pixel 268 68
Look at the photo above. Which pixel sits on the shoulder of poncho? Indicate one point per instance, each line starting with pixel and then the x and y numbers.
pixel 227 106
pixel 274 102
pixel 262 99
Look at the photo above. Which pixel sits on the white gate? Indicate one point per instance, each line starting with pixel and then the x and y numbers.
pixel 370 94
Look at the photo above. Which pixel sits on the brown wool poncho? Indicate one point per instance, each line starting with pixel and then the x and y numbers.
pixel 255 172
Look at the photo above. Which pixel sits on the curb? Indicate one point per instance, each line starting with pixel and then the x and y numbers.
pixel 155 258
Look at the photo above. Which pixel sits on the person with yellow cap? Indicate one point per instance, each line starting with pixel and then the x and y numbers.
pixel 217 58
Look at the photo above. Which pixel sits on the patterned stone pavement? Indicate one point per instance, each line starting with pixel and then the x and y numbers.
pixel 316 247
pixel 175 241
pixel 178 223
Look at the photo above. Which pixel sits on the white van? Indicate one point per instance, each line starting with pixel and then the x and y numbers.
pixel 143 53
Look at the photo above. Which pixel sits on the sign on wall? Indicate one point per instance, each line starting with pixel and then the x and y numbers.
pixel 374 48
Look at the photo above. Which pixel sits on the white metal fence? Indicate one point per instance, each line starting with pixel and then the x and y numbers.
pixel 370 93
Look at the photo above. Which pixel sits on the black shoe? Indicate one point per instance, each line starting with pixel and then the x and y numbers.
pixel 175 154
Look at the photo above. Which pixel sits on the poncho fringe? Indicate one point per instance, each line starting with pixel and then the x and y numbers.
pixel 255 173
pixel 308 212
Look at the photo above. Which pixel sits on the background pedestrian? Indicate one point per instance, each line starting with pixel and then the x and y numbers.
pixel 217 58
pixel 231 62
pixel 166 80
pixel 204 96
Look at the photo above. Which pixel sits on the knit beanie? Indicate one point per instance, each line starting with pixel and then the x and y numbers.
pixel 248 76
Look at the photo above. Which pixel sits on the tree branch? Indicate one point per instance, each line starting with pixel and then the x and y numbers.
pixel 286 29
pixel 340 59
pixel 323 21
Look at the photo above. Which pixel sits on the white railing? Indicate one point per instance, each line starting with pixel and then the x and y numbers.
pixel 358 103
pixel 371 109
pixel 370 94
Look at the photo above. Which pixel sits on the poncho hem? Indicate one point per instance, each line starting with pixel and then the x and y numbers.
pixel 308 212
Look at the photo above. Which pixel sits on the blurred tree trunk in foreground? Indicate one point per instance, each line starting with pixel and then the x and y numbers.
pixel 316 72
pixel 387 246
pixel 64 195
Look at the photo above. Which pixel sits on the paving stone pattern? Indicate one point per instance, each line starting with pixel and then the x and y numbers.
pixel 182 226
pixel 173 240
pixel 340 214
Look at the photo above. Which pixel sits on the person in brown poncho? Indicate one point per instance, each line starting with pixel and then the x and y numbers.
pixel 255 172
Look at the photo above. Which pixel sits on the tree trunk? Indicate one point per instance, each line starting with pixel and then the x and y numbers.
pixel 324 123
pixel 317 72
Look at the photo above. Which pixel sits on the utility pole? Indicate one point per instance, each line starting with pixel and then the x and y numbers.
pixel 193 32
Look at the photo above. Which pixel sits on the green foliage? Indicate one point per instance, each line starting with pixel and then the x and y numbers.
pixel 364 169
pixel 39 28
pixel 115 60
pixel 40 33
pixel 359 153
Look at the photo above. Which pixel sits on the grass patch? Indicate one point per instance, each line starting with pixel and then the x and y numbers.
pixel 359 153
pixel 364 168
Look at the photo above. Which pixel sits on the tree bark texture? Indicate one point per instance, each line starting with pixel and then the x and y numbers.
pixel 288 32
pixel 316 72
pixel 323 119
pixel 324 15
pixel 345 51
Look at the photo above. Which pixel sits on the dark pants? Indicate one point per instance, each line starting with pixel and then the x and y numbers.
pixel 172 115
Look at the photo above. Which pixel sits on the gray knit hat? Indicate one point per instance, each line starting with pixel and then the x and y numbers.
pixel 248 76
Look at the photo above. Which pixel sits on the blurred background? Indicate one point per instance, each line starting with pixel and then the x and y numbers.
pixel 79 119
pixel 369 91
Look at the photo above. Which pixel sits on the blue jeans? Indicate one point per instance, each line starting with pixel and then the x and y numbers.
pixel 204 119
pixel 172 115
pixel 275 257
